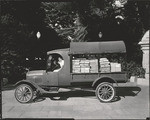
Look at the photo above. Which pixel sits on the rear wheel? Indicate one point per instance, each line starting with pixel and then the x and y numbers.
pixel 105 92
pixel 24 93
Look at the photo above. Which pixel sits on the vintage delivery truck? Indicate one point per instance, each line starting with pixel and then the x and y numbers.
pixel 81 65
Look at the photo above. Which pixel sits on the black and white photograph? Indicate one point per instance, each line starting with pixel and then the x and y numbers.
pixel 75 59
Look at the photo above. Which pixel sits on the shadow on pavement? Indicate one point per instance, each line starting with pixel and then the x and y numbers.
pixel 69 94
pixel 120 92
pixel 64 95
pixel 39 99
pixel 127 91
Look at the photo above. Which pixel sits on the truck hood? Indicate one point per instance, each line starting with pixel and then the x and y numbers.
pixel 36 72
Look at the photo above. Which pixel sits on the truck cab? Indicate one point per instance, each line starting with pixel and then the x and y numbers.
pixel 82 65
pixel 53 76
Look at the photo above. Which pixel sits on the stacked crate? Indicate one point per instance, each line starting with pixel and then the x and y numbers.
pixel 85 66
pixel 115 67
pixel 82 65
pixel 104 65
pixel 93 66
pixel 76 66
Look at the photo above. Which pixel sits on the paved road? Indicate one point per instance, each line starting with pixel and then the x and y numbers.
pixel 132 103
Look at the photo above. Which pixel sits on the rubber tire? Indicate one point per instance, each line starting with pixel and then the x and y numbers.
pixel 112 88
pixel 31 90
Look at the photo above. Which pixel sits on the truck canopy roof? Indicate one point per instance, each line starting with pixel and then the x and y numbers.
pixel 59 51
pixel 97 47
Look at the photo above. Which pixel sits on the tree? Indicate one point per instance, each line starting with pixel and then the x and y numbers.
pixel 17 37
pixel 12 58
pixel 116 20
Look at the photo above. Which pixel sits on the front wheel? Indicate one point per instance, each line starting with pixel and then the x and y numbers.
pixel 105 92
pixel 24 93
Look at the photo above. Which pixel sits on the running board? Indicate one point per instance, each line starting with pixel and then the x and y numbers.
pixel 54 91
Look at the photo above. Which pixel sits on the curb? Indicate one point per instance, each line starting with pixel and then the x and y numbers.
pixel 139 81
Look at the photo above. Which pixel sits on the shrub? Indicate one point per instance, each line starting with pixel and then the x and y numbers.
pixel 134 69
pixel 11 69
pixel 131 67
pixel 4 81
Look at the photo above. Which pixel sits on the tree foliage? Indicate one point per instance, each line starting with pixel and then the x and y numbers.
pixel 114 21
pixel 123 20
pixel 17 38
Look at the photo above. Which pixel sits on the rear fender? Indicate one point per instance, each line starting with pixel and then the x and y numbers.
pixel 103 79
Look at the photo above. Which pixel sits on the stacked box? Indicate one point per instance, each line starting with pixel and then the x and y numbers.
pixel 76 70
pixel 115 67
pixel 105 69
pixel 104 65
pixel 94 66
pixel 75 61
pixel 76 66
pixel 118 67
pixel 82 61
pixel 85 70
pixel 91 66
pixel 81 66
pixel 85 66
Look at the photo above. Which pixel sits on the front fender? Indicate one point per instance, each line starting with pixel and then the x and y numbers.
pixel 32 84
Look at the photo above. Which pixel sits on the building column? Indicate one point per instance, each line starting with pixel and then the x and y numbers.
pixel 145 48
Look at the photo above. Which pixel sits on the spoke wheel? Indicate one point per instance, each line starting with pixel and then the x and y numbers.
pixel 24 93
pixel 105 92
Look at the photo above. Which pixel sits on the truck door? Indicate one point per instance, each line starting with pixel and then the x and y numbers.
pixel 58 69
pixel 51 79
pixel 52 70
pixel 64 73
